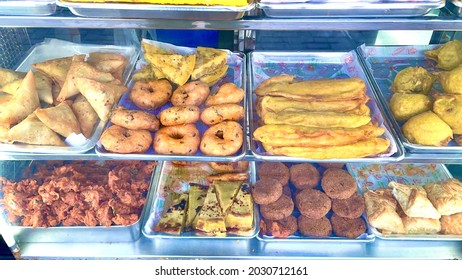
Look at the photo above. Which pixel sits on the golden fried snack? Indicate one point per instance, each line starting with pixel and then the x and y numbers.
pixel 227 93
pixel 316 119
pixel 192 93
pixel 113 63
pixel 451 224
pixel 57 68
pixel 222 139
pixel 222 112
pixel 448 56
pixel 134 119
pixel 451 81
pixel 278 135
pixel 359 149
pixel 449 108
pixel 22 104
pixel 32 131
pixel 227 177
pixel 208 60
pixel 177 139
pixel 446 196
pixel 151 94
pixel 121 140
pixel 176 68
pixel 416 80
pixel 413 201
pixel 312 90
pixel 381 212
pixel 178 115
pixel 213 78
pixel 7 76
pixel 427 129
pixel 60 119
pixel 229 167
pixel 85 114
pixel 403 106
pixel 43 84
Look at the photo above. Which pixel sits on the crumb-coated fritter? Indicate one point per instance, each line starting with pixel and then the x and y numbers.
pixel 313 204
pixel 304 176
pixel 278 210
pixel 351 208
pixel 281 228
pixel 314 227
pixel 338 183
pixel 275 170
pixel 349 228
pixel 266 191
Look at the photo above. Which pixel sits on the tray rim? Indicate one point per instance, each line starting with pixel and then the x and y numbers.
pixel 390 133
pixel 152 202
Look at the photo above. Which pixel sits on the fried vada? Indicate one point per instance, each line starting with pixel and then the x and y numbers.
pixel 134 119
pixel 151 94
pixel 122 140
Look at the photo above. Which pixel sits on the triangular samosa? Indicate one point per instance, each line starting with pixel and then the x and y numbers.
pixel 85 114
pixel 60 119
pixel 177 68
pixel 208 61
pixel 32 131
pixel 22 104
pixel 56 68
pixel 43 84
pixel 7 76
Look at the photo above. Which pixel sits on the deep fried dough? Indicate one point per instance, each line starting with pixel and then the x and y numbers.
pixel 134 119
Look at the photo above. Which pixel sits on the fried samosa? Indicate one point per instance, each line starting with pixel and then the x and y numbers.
pixel 359 149
pixel 415 80
pixel 316 119
pixel 85 114
pixel 176 68
pixel 278 135
pixel 451 81
pixel 32 131
pixel 451 224
pixel 7 76
pixel 446 196
pixel 102 96
pixel 449 108
pixel 448 56
pixel 113 63
pixel 56 68
pixel 413 201
pixel 427 129
pixel 381 213
pixel 312 90
pixel 60 119
pixel 22 104
pixel 42 82
pixel 403 106
pixel 208 60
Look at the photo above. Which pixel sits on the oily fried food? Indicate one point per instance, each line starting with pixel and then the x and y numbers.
pixel 208 60
pixel 312 203
pixel 56 68
pixel 225 167
pixel 451 81
pixel 312 90
pixel 316 119
pixel 193 93
pixel 279 135
pixel 413 201
pixel 349 228
pixel 145 73
pixel 113 63
pixel 122 140
pixel 177 139
pixel 222 139
pixel 427 129
pixel 134 119
pixel 415 80
pixel 151 94
pixel 449 108
pixel 304 176
pixel 446 196
pixel 85 114
pixel 266 191
pixel 22 104
pixel 338 183
pixel 314 227
pixel 278 210
pixel 369 147
pixel 381 212
pixel 32 131
pixel 222 112
pixel 176 68
pixel 403 106
pixel 421 225
pixel 7 76
pixel 229 177
pixel 448 56
pixel 178 115
pixel 275 170
pixel 42 82
pixel 280 228
pixel 451 224
pixel 60 119
pixel 227 93
pixel 351 208
pixel 213 78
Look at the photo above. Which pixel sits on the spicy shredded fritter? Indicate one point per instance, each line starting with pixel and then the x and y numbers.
pixel 78 193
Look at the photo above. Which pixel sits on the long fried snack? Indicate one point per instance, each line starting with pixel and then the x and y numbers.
pixel 316 119
pixel 364 148
pixel 302 136
pixel 312 90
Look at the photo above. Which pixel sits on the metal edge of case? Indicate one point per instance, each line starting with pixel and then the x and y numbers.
pixel 84 234
pixel 152 201
pixel 243 151
pixel 153 11
pixel 455 7
pixel 390 132
pixel 33 8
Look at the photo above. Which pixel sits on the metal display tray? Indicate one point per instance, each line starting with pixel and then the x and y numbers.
pixel 71 234
pixel 53 48
pixel 155 203
pixel 236 73
pixel 351 9
pixel 376 176
pixel 314 65
pixel 368 236
pixel 179 12
pixel 27 8
pixel 383 63
pixel 455 6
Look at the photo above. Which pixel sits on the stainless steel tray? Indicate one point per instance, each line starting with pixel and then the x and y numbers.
pixel 351 9
pixel 53 48
pixel 27 8
pixel 368 236
pixel 376 176
pixel 156 203
pixel 313 65
pixel 455 6
pixel 236 74
pixel 70 234
pixel 179 12
pixel 383 63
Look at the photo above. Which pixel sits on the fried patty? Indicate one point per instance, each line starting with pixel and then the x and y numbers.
pixel 338 183
pixel 304 176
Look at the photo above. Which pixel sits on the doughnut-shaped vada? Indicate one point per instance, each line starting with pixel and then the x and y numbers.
pixel 222 139
pixel 150 95
pixel 178 140
pixel 192 93
pixel 134 119
pixel 122 140
pixel 227 93
pixel 178 115
pixel 222 112
pixel 225 167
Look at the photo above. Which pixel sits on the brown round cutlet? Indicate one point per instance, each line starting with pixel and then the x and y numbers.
pixel 313 204
pixel 275 170
pixel 314 227
pixel 266 191
pixel 281 228
pixel 351 208
pixel 338 183
pixel 304 176
pixel 349 228
pixel 278 210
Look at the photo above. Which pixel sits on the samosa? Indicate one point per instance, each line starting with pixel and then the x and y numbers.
pixel 56 68
pixel 42 82
pixel 60 119
pixel 32 131
pixel 7 76
pixel 85 114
